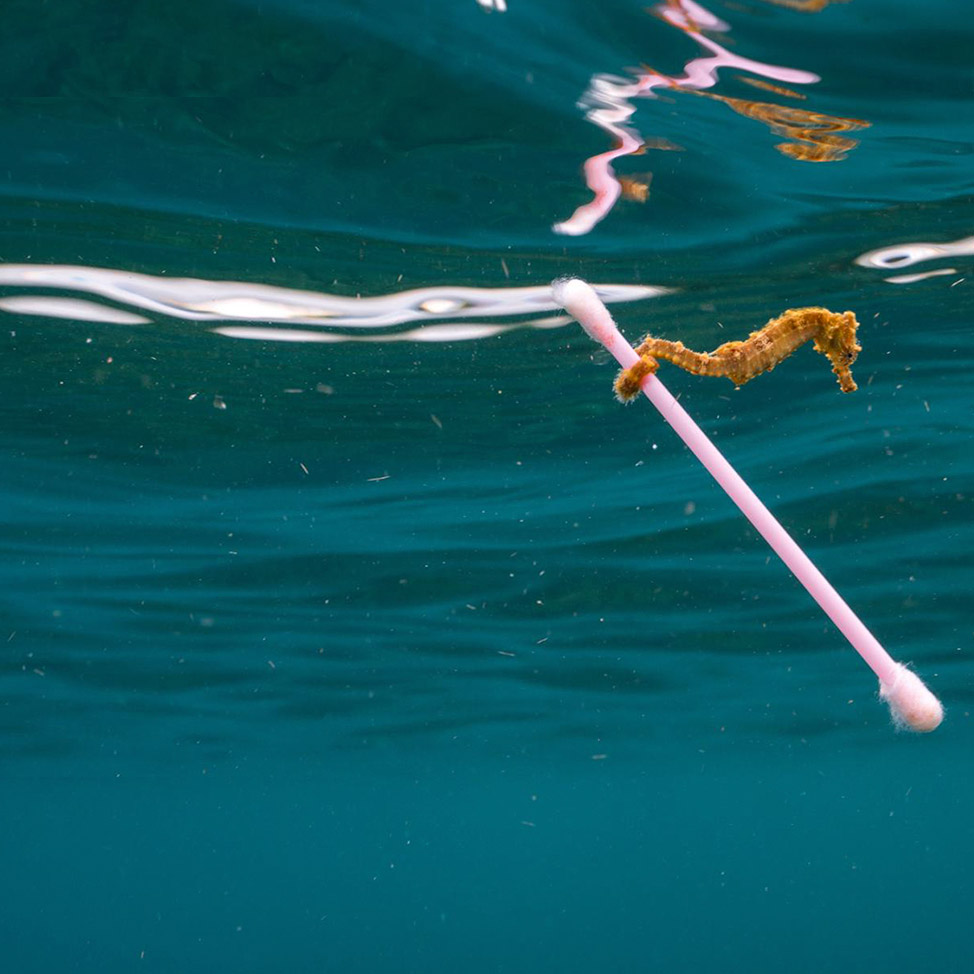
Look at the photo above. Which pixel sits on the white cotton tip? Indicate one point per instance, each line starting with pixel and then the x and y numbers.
pixel 911 704
pixel 585 306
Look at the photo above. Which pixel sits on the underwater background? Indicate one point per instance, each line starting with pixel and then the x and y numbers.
pixel 349 624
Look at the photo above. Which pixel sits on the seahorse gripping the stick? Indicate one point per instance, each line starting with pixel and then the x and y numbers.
pixel 833 334
pixel 911 703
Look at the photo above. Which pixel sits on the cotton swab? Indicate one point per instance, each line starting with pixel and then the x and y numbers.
pixel 911 704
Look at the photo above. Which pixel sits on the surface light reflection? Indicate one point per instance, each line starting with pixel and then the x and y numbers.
pixel 608 103
pixel 340 318
pixel 908 254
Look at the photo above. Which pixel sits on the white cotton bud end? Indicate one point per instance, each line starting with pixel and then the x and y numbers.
pixel 911 704
pixel 585 306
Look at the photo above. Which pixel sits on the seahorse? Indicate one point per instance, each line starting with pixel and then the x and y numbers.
pixel 833 334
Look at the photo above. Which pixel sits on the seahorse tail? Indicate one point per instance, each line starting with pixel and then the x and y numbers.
pixel 629 381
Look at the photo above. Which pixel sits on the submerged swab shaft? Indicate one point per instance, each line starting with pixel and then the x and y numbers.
pixel 910 702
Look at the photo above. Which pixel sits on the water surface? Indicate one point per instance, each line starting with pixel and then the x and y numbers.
pixel 349 623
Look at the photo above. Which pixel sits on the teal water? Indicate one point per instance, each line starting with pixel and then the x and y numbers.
pixel 349 624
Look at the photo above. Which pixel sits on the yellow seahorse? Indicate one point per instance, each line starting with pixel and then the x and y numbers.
pixel 834 336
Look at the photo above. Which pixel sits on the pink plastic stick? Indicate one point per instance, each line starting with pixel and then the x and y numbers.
pixel 911 703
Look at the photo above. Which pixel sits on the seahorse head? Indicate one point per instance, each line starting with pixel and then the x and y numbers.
pixel 837 340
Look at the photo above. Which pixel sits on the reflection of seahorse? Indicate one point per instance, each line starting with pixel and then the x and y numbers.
pixel 820 132
pixel 834 336
pixel 808 6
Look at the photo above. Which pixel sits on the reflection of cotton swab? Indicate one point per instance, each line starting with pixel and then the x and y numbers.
pixel 912 705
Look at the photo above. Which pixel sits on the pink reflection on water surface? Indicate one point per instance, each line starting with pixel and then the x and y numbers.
pixel 608 103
